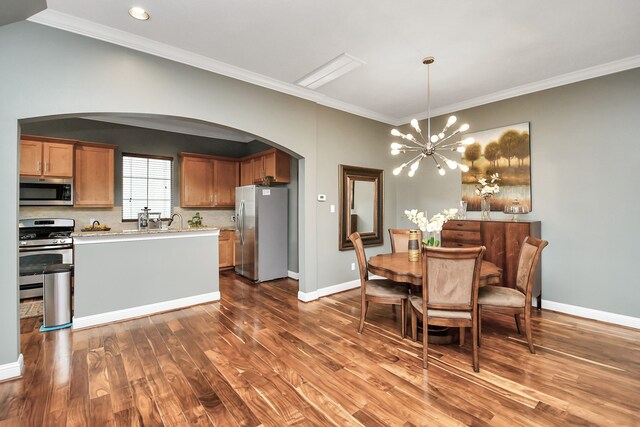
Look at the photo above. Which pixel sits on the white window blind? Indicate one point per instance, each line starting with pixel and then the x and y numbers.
pixel 146 182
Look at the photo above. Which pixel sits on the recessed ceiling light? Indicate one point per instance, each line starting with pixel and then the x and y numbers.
pixel 139 13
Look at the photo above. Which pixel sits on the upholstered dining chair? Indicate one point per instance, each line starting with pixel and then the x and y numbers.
pixel 450 280
pixel 382 291
pixel 400 239
pixel 515 301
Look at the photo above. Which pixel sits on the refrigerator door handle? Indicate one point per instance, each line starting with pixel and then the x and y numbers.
pixel 242 222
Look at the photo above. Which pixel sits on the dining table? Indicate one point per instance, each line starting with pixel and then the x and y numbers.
pixel 397 267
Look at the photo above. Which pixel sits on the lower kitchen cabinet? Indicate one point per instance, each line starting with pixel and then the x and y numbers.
pixel 227 249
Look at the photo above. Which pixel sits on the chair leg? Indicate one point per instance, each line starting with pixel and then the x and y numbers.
pixel 425 341
pixel 364 305
pixel 403 312
pixel 414 325
pixel 474 339
pixel 527 330
pixel 518 327
pixel 479 325
pixel 461 336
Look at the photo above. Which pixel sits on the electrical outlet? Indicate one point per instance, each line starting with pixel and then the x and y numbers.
pixel 353 266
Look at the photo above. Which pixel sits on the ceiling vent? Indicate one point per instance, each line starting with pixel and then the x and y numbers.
pixel 333 69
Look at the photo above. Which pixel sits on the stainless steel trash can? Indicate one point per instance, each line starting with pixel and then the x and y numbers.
pixel 57 296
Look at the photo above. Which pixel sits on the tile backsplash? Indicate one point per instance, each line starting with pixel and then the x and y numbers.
pixel 113 216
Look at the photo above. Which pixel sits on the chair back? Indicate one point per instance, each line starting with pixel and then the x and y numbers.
pixel 450 278
pixel 360 255
pixel 528 264
pixel 400 239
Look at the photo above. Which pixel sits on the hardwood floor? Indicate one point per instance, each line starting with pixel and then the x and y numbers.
pixel 259 356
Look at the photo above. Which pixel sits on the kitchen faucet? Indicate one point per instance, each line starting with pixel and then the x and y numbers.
pixel 171 220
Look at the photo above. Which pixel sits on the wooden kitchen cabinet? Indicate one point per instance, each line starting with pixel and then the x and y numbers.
pixel 46 157
pixel 196 181
pixel 503 240
pixel 94 175
pixel 272 162
pixel 227 249
pixel 225 181
pixel 208 181
pixel 246 172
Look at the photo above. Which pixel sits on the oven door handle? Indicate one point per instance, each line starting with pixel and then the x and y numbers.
pixel 44 248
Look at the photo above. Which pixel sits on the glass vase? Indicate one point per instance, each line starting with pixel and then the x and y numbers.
pixel 485 207
pixel 433 239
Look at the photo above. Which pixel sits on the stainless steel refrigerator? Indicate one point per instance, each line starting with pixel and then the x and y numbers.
pixel 261 232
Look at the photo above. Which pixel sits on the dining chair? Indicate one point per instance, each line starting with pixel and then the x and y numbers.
pixel 400 239
pixel 382 291
pixel 515 301
pixel 450 280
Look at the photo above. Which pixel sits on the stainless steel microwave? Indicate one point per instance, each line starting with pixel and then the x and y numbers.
pixel 46 191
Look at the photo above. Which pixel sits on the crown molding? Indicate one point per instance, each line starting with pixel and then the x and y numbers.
pixel 63 21
pixel 561 80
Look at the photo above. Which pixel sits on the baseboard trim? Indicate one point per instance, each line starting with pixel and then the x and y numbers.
pixel 293 275
pixel 334 289
pixel 13 370
pixel 590 313
pixel 143 310
pixel 307 296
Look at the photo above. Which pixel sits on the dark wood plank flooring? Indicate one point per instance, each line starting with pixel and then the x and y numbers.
pixel 261 357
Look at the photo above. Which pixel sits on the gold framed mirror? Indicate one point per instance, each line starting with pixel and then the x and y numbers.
pixel 361 192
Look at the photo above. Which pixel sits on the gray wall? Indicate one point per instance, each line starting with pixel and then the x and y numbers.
pixel 584 154
pixel 85 75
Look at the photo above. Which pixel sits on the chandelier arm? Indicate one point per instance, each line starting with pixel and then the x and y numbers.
pixel 415 141
pixel 452 144
pixel 447 137
pixel 445 158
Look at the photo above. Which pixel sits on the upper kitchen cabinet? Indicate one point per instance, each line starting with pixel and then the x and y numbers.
pixel 94 175
pixel 272 162
pixel 46 157
pixel 207 181
pixel 225 180
pixel 196 181
pixel 246 172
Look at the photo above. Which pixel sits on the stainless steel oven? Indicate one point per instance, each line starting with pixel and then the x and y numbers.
pixel 46 191
pixel 43 242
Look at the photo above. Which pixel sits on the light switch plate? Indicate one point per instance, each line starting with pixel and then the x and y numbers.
pixel 333 208
pixel 322 197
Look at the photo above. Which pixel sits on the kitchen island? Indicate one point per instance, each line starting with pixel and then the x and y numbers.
pixel 127 274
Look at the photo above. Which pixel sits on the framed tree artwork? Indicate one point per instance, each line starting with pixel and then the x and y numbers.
pixel 505 151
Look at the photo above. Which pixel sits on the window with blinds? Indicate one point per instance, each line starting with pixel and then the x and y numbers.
pixel 146 182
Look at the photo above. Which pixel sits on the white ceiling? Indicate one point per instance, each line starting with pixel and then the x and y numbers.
pixel 484 50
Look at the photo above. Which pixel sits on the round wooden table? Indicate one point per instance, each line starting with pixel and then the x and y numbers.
pixel 397 267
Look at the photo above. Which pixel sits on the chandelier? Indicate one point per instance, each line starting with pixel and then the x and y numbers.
pixel 432 145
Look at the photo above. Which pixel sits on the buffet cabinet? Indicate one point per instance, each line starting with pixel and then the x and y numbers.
pixel 503 240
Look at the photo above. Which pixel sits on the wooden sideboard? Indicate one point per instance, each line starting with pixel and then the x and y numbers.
pixel 502 239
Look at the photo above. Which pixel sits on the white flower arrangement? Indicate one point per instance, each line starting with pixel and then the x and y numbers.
pixel 488 189
pixel 435 224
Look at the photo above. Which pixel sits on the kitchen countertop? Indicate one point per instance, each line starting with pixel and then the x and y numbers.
pixel 135 231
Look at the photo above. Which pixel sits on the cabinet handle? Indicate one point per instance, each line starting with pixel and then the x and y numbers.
pixel 46 166
pixel 38 165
